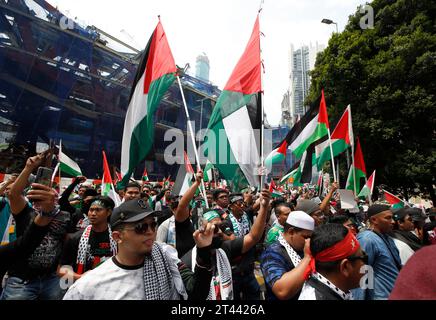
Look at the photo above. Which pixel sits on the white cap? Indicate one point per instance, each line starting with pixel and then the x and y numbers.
pixel 301 220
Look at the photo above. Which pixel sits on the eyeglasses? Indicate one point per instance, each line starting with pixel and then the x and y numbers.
pixel 363 257
pixel 142 228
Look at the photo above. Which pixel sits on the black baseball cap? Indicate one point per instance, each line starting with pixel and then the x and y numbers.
pixel 131 211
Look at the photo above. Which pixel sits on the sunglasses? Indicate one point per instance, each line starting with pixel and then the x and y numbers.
pixel 363 257
pixel 142 228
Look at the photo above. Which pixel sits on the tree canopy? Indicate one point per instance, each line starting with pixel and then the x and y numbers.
pixel 387 75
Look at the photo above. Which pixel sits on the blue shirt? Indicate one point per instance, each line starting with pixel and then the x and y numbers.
pixel 384 258
pixel 274 263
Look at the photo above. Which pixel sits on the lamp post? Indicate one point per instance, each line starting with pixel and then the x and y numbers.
pixel 328 21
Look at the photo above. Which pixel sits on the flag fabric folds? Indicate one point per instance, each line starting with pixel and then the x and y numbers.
pixel 358 168
pixel 67 165
pixel 232 142
pixel 342 138
pixel 107 188
pixel 368 188
pixel 156 73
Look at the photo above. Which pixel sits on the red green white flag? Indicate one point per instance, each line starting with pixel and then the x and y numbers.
pixel 368 188
pixel 393 200
pixel 107 188
pixel 342 138
pixel 359 169
pixel 232 140
pixel 156 73
pixel 145 175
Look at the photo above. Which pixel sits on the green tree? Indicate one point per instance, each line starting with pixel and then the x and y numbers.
pixel 387 75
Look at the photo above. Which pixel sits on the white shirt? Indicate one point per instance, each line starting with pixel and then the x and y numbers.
pixel 108 282
pixel 405 251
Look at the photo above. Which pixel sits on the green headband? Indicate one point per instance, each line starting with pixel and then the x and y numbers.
pixel 210 215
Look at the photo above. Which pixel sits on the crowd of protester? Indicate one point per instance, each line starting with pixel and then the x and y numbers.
pixel 156 245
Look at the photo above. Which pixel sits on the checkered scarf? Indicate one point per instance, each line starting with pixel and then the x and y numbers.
pixel 222 283
pixel 158 278
pixel 242 228
pixel 84 252
pixel 293 255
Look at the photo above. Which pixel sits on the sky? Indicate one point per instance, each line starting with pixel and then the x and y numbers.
pixel 221 29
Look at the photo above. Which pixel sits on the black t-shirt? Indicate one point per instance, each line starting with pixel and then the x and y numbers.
pixel 184 239
pixel 45 259
pixel 99 249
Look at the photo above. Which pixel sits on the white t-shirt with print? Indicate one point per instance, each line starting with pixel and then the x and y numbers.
pixel 109 282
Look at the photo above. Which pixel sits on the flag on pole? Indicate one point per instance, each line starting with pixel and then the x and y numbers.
pixel 232 139
pixel 277 156
pixel 107 188
pixel 156 73
pixel 273 190
pixel 208 172
pixel 359 168
pixel 67 165
pixel 184 177
pixel 395 202
pixel 342 138
pixel 368 188
pixel 145 175
pixel 312 127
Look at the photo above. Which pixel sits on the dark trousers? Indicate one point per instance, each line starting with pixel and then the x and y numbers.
pixel 245 286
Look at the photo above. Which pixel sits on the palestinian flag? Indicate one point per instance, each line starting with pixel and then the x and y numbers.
pixel 395 202
pixel 166 183
pixel 358 168
pixel 184 177
pixel 276 156
pixel 342 138
pixel 2 177
pixel 232 141
pixel 312 127
pixel 368 188
pixel 107 188
pixel 145 175
pixel 208 172
pixel 67 165
pixel 156 73
pixel 273 190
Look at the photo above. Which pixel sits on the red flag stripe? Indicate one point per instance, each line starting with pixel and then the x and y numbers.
pixel 246 77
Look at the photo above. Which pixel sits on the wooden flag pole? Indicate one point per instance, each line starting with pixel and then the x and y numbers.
pixel 197 158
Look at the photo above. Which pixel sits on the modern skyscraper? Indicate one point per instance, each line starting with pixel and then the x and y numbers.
pixel 301 62
pixel 202 67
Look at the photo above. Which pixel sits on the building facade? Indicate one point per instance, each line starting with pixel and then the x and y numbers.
pixel 60 81
pixel 301 62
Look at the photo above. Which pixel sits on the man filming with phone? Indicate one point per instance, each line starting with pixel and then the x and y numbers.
pixel 34 278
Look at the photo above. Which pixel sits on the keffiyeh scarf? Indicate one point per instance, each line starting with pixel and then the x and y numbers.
pixel 221 285
pixel 240 229
pixel 162 280
pixel 84 252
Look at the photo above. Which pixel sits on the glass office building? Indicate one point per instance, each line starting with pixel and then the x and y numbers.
pixel 60 81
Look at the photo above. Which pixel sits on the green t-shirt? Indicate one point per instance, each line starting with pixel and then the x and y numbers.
pixel 273 233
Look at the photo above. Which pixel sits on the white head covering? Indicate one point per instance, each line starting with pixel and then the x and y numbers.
pixel 301 220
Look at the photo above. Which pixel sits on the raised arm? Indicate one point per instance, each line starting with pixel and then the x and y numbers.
pixel 326 202
pixel 16 198
pixel 64 199
pixel 258 227
pixel 182 211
